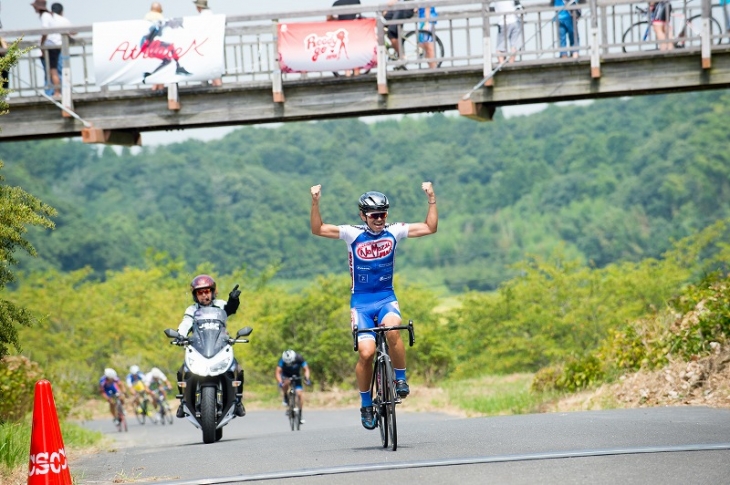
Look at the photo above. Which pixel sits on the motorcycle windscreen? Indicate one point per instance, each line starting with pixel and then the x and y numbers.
pixel 209 330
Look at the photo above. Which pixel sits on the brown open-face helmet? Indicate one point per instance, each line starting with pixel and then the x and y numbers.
pixel 203 281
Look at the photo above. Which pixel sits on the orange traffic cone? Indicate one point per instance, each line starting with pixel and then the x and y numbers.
pixel 48 464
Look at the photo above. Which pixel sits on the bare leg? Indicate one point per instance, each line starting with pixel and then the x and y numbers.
pixel 364 366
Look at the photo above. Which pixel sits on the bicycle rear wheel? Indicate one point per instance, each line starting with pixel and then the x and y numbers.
pixel 640 38
pixel 690 35
pixel 390 405
pixel 414 53
pixel 168 412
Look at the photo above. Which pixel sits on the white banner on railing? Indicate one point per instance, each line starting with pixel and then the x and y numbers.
pixel 162 52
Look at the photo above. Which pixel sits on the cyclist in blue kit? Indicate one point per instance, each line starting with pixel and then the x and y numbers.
pixel 372 247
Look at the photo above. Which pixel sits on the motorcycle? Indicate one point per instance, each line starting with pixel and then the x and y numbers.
pixel 211 380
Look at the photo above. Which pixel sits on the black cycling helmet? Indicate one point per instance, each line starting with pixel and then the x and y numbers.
pixel 373 202
pixel 203 281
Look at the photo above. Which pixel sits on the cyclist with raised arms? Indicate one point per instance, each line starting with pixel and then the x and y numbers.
pixel 291 364
pixel 372 247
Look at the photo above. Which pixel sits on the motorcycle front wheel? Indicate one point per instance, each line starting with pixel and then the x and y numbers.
pixel 207 414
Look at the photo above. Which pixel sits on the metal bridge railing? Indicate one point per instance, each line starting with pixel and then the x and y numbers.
pixel 467 30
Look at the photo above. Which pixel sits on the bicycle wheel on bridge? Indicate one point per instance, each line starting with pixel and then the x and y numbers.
pixel 639 37
pixel 689 36
pixel 414 54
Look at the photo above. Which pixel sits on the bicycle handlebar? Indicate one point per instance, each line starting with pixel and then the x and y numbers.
pixel 409 327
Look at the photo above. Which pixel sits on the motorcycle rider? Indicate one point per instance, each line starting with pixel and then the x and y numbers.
pixel 204 291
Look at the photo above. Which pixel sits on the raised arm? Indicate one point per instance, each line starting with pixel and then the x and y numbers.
pixel 319 228
pixel 430 226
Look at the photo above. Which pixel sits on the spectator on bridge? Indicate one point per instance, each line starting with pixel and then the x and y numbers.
pixel 660 13
pixel 155 15
pixel 426 26
pixel 567 27
pixel 396 13
pixel 347 16
pixel 509 30
pixel 203 9
pixel 52 42
pixel 726 5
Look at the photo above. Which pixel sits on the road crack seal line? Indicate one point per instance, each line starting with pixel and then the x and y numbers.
pixel 371 467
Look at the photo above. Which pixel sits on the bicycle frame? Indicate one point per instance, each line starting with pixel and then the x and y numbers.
pixel 382 384
pixel 294 408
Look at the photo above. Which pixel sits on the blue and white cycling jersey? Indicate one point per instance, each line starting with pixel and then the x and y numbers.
pixel 371 259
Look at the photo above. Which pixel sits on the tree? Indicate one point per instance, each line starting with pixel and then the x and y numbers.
pixel 17 210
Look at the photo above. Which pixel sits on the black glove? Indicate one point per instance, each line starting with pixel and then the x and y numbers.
pixel 234 294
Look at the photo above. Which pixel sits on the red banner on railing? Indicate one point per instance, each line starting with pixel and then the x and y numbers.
pixel 327 46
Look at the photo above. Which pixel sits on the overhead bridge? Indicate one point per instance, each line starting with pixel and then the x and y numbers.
pixel 618 55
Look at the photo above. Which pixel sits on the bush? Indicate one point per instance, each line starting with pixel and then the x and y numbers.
pixel 18 376
pixel 581 373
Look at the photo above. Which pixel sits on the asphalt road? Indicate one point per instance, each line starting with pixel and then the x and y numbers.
pixel 642 446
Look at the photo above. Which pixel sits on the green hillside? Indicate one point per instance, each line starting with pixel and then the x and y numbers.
pixel 613 181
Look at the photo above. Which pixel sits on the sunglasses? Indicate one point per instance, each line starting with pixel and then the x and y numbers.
pixel 203 291
pixel 377 215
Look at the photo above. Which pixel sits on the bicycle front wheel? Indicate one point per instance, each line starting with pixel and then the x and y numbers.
pixel 140 412
pixel 379 401
pixel 390 406
pixel 414 52
pixel 639 38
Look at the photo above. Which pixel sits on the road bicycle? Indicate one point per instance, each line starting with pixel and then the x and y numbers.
pixel 121 418
pixel 412 54
pixel 640 37
pixel 294 404
pixel 142 408
pixel 164 411
pixel 382 386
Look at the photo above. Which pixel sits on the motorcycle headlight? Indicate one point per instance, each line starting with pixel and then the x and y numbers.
pixel 201 366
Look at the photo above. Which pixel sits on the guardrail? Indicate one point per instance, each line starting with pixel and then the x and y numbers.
pixel 467 30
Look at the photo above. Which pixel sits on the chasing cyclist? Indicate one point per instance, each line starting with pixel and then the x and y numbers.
pixel 137 386
pixel 110 386
pixel 157 383
pixel 289 373
pixel 372 247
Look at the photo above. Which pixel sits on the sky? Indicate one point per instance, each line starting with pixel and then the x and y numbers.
pixel 18 14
